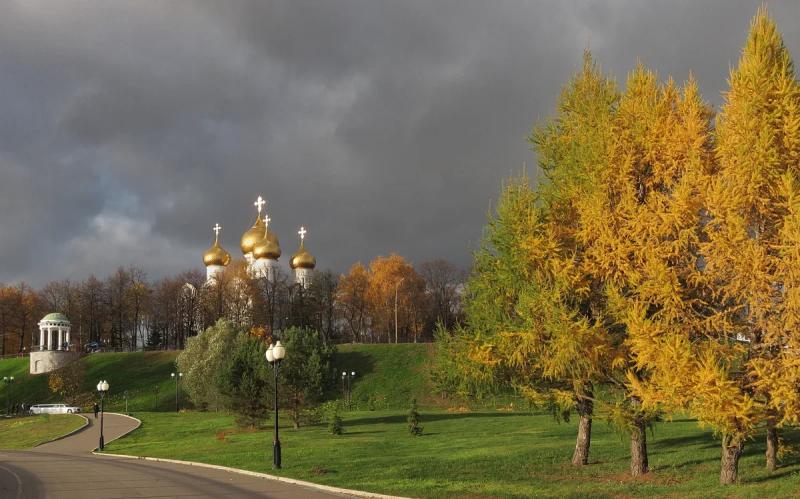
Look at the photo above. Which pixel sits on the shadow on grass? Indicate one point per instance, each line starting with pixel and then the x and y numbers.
pixel 401 418
pixel 694 462
pixel 680 443
pixel 773 476
pixel 359 362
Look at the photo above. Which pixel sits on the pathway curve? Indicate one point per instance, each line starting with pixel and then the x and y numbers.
pixel 66 469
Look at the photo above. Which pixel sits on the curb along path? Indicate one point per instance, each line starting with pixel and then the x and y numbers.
pixel 67 469
pixel 76 430
pixel 336 490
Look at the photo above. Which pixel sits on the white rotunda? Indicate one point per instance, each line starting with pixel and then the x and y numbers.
pixel 55 348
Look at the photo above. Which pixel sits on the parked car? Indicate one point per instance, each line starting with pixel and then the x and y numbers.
pixel 54 409
pixel 94 346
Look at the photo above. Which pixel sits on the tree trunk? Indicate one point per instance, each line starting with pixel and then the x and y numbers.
pixel 731 452
pixel 639 464
pixel 585 409
pixel 772 448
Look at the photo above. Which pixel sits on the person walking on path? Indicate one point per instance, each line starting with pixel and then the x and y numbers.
pixel 96 410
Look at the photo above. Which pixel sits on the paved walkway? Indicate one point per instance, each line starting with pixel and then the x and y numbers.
pixel 66 469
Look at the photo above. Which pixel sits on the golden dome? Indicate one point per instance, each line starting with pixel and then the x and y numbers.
pixel 252 236
pixel 216 255
pixel 303 259
pixel 267 247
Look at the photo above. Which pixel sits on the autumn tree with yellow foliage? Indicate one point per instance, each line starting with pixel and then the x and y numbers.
pixel 711 303
pixel 395 297
pixel 640 225
pixel 658 260
pixel 530 306
pixel 750 236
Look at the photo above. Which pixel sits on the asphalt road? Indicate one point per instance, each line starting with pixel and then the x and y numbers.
pixel 66 469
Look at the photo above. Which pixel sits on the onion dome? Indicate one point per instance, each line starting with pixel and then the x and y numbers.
pixel 216 255
pixel 268 247
pixel 303 259
pixel 252 236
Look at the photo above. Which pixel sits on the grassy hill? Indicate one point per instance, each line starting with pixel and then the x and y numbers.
pixel 144 375
pixel 387 376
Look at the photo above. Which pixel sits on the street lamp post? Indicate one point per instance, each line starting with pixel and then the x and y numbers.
pixel 348 394
pixel 176 377
pixel 349 391
pixel 125 394
pixel 396 286
pixel 7 380
pixel 102 389
pixel 275 354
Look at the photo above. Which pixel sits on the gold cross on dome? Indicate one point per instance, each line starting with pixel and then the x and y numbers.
pixel 302 233
pixel 267 220
pixel 216 230
pixel 259 204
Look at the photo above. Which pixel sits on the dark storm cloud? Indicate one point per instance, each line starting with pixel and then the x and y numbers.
pixel 129 128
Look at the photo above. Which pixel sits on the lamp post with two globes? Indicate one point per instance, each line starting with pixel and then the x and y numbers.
pixel 102 389
pixel 348 395
pixel 275 354
pixel 8 380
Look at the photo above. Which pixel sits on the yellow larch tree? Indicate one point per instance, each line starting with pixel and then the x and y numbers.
pixel 727 356
pixel 758 153
pixel 529 305
pixel 641 229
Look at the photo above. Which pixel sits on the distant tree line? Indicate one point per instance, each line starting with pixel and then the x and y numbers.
pixel 126 311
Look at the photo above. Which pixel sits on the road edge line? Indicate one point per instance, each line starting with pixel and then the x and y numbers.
pixel 85 424
pixel 138 425
pixel 311 485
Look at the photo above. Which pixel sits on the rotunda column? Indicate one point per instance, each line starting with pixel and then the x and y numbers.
pixel 67 333
pixel 49 338
pixel 60 338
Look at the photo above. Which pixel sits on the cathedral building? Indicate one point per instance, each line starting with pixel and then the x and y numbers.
pixel 261 250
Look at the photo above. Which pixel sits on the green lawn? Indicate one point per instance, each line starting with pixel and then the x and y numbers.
pixel 483 454
pixel 479 454
pixel 30 431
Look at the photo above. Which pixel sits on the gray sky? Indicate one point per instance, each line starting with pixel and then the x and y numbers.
pixel 127 129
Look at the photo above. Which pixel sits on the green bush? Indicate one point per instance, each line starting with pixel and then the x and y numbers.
pixel 202 360
pixel 307 371
pixel 331 410
pixel 245 383
pixel 413 419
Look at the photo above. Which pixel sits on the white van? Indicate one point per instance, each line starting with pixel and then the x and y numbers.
pixel 54 409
